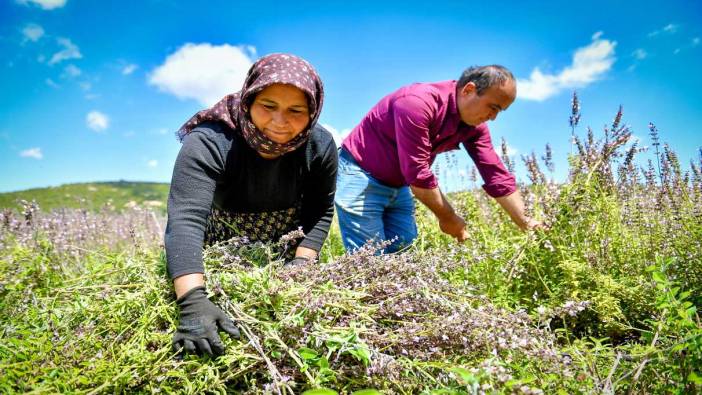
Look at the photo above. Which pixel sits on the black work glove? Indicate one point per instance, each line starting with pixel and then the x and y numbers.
pixel 199 322
pixel 297 260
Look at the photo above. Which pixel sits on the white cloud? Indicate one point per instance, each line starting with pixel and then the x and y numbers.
pixel 32 153
pixel 203 72
pixel 640 54
pixel 69 51
pixel 51 83
pixel 152 163
pixel 511 151
pixel 32 32
pixel 97 121
pixel 45 4
pixel 71 71
pixel 129 69
pixel 338 135
pixel 670 28
pixel 589 64
pixel 695 41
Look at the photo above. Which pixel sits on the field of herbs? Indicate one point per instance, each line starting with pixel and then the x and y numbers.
pixel 605 301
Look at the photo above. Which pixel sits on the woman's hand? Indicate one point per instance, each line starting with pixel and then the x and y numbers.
pixel 199 323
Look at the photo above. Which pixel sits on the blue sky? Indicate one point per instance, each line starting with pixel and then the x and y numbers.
pixel 95 90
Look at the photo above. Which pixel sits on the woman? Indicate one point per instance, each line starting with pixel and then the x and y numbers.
pixel 258 160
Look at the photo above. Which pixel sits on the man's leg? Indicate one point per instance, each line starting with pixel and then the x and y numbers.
pixel 360 201
pixel 398 220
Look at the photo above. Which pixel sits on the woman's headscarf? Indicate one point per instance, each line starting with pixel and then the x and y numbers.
pixel 233 109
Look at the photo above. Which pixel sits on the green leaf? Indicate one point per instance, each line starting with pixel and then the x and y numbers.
pixel 679 347
pixel 527 379
pixel 464 374
pixel 694 377
pixel 361 353
pixel 512 383
pixel 658 277
pixel 683 314
pixel 368 391
pixel 320 391
pixel 334 343
pixel 307 353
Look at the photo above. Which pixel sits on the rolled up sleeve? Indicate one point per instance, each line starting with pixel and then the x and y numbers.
pixel 498 180
pixel 412 119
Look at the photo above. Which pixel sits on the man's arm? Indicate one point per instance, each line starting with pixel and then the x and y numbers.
pixel 513 204
pixel 499 182
pixel 449 222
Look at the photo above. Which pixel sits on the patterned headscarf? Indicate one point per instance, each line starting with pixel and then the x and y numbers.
pixel 233 109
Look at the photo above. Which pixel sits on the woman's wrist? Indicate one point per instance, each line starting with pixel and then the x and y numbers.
pixel 305 252
pixel 185 283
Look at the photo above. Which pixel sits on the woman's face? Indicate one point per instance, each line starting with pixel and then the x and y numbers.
pixel 281 112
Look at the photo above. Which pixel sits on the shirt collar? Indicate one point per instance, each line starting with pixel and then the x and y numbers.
pixel 453 109
pixel 453 115
pixel 452 102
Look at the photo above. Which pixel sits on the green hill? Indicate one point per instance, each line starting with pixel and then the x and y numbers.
pixel 93 196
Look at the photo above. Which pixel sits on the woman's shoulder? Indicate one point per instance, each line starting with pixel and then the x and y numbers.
pixel 321 139
pixel 216 132
pixel 320 148
pixel 213 130
pixel 213 137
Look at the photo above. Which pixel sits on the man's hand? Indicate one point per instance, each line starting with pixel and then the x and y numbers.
pixel 532 224
pixel 454 226
pixel 513 204
pixel 449 222
pixel 199 322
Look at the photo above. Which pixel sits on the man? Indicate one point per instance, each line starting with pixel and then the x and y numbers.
pixel 387 158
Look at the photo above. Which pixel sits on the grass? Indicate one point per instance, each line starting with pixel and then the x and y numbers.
pixel 606 301
pixel 93 196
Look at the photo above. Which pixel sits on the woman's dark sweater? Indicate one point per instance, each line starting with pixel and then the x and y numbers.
pixel 216 168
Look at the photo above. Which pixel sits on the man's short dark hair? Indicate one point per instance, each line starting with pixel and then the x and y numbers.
pixel 485 76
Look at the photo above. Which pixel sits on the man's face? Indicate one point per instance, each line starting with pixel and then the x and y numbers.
pixel 476 109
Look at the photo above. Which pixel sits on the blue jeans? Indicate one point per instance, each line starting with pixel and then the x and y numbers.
pixel 369 210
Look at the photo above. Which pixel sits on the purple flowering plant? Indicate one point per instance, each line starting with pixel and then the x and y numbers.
pixel 604 301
